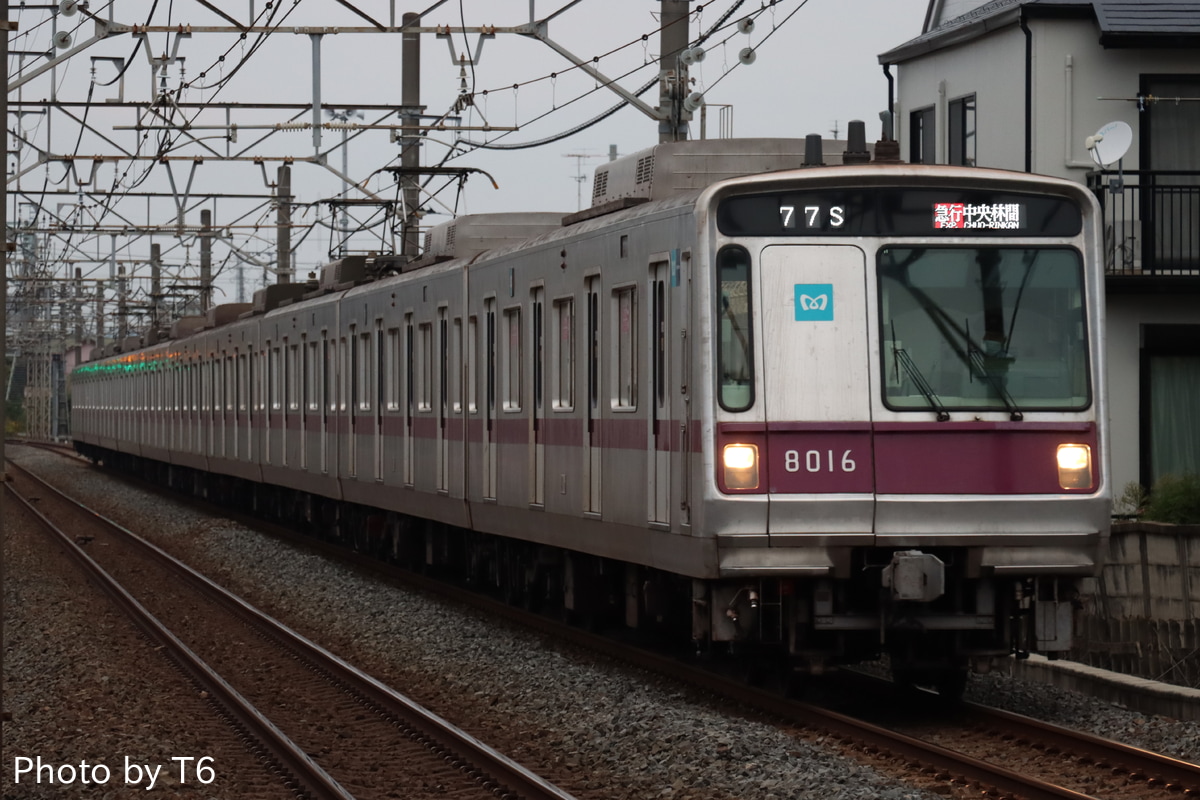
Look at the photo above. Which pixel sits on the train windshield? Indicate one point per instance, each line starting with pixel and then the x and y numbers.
pixel 980 328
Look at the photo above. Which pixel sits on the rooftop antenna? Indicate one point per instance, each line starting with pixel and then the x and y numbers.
pixel 579 177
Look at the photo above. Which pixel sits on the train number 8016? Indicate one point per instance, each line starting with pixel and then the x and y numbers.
pixel 818 461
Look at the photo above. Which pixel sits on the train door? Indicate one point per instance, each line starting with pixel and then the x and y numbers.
pixel 306 396
pixel 271 405
pixel 658 444
pixel 241 412
pixel 223 405
pixel 591 438
pixel 343 424
pixel 443 397
pixel 328 376
pixel 377 387
pixel 537 461
pixel 410 396
pixel 489 401
pixel 287 396
pixel 816 381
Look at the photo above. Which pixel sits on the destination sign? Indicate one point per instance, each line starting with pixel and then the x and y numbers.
pixel 898 211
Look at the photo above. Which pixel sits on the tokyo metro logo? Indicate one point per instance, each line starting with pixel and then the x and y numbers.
pixel 814 302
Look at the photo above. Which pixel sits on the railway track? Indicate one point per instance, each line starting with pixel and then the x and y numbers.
pixel 331 730
pixel 969 757
pixel 987 751
pixel 977 751
pixel 1074 759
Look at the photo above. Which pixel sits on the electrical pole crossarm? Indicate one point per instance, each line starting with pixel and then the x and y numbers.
pixel 103 31
pixel 538 31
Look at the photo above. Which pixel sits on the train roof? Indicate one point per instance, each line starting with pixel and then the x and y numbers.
pixel 671 168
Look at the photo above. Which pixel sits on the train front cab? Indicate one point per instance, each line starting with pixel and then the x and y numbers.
pixel 909 457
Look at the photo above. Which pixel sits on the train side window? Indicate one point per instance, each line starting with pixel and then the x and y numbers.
pixel 593 345
pixel 537 346
pixel 229 383
pixel 311 359
pixel 391 368
pixel 489 349
pixel 624 351
pixel 273 402
pixel 218 396
pixel 512 359
pixel 425 368
pixel 409 366
pixel 362 371
pixel 564 354
pixel 443 362
pixel 328 375
pixel 343 389
pixel 735 342
pixel 205 369
pixel 293 400
pixel 456 370
pixel 472 356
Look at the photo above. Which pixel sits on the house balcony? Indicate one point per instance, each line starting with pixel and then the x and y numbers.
pixel 1151 228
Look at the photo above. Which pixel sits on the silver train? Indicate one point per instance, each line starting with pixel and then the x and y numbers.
pixel 821 414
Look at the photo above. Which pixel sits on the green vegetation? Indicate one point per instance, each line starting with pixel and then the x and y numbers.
pixel 1175 499
pixel 14 418
pixel 1130 503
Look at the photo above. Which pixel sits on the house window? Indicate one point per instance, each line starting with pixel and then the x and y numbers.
pixel 962 131
pixel 922 141
pixel 1171 382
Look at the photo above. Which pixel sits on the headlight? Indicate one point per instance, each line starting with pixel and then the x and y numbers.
pixel 1074 466
pixel 741 466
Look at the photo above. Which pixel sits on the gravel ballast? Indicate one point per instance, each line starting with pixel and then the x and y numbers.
pixel 620 734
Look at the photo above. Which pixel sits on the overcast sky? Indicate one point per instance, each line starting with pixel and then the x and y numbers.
pixel 816 69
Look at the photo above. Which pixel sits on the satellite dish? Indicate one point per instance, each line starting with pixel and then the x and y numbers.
pixel 1110 144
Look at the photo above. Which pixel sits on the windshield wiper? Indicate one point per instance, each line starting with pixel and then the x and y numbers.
pixel 914 372
pixel 979 366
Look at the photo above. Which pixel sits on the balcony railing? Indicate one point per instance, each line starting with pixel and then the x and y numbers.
pixel 1151 221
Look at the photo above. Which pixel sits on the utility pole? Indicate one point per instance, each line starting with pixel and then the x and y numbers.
pixel 205 260
pixel 155 290
pixel 410 141
pixel 283 193
pixel 100 314
pixel 78 309
pixel 5 27
pixel 672 71
pixel 122 307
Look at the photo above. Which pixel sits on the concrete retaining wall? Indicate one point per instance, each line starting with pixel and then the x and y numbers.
pixel 1142 615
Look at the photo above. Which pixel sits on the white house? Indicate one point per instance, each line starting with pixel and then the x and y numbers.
pixel 1021 85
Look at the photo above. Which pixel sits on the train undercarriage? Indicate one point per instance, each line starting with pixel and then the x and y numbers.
pixel 929 613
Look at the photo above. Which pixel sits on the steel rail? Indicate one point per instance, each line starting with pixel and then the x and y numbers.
pixel 1175 774
pixel 960 766
pixel 501 769
pixel 315 782
pixel 957 766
